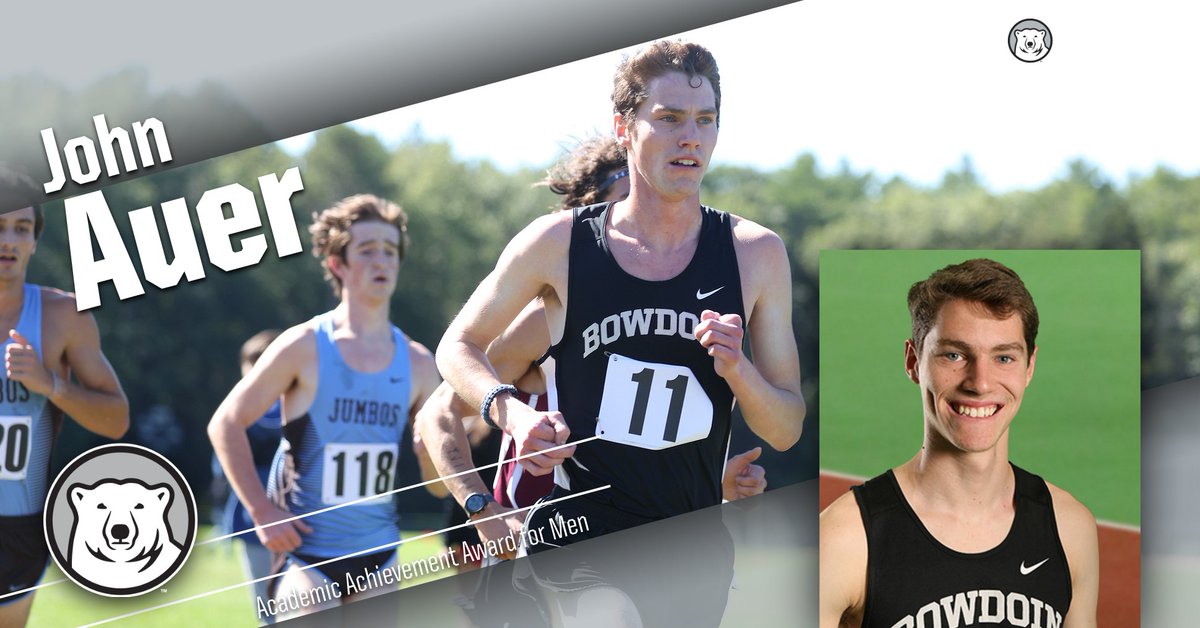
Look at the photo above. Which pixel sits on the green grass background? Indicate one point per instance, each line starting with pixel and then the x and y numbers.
pixel 210 567
pixel 1079 424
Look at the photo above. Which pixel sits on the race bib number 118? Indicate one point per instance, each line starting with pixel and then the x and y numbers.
pixel 652 405
pixel 357 470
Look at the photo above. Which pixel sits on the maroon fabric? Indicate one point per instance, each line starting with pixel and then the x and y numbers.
pixel 529 488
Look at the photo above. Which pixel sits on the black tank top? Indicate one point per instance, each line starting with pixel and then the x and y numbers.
pixel 629 366
pixel 913 580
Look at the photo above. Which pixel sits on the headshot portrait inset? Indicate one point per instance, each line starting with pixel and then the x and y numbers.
pixel 980 448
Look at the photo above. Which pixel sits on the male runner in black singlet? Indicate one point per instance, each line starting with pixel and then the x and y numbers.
pixel 596 171
pixel 645 300
pixel 959 536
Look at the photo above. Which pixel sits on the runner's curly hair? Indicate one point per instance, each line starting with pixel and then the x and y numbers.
pixel 631 83
pixel 331 228
pixel 583 175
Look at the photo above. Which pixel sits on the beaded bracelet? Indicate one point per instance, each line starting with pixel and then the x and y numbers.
pixel 486 407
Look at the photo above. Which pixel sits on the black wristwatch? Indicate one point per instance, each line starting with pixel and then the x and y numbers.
pixel 476 502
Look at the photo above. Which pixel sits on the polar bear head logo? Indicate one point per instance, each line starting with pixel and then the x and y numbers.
pixel 1031 44
pixel 121 537
pixel 120 520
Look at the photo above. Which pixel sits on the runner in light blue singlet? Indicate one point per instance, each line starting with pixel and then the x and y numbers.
pixel 345 448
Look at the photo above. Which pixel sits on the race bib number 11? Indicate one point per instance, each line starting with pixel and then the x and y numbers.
pixel 652 405
pixel 16 435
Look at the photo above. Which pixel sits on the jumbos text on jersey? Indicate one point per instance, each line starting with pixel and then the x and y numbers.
pixel 12 391
pixel 366 412
pixel 345 450
pixel 28 423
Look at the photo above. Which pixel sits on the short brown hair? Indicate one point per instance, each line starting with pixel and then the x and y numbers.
pixel 990 283
pixel 331 228
pixel 633 76
pixel 585 174
pixel 17 191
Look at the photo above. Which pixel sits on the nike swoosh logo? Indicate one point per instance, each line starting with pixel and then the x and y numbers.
pixel 704 295
pixel 1025 571
pixel 395 380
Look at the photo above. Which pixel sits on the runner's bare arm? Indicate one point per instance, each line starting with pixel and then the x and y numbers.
pixel 1077 530
pixel 441 420
pixel 843 558
pixel 443 442
pixel 444 438
pixel 533 264
pixel 767 389
pixel 97 401
pixel 275 373
pixel 425 380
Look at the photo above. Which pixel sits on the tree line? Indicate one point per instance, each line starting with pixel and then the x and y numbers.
pixel 175 350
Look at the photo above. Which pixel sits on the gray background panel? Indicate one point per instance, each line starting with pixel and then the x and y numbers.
pixel 230 75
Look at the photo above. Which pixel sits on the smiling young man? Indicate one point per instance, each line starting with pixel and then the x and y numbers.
pixel 349 381
pixel 46 343
pixel 958 533
pixel 645 301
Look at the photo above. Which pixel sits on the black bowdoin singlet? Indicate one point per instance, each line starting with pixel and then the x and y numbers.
pixel 630 369
pixel 914 581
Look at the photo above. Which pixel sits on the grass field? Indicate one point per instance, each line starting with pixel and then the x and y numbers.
pixel 210 567
pixel 1079 423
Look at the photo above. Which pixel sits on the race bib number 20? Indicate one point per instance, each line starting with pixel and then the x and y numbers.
pixel 16 435
pixel 652 405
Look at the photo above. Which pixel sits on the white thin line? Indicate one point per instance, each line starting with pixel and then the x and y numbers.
pixel 34 588
pixel 843 476
pixel 349 503
pixel 357 553
pixel 1127 527
pixel 394 491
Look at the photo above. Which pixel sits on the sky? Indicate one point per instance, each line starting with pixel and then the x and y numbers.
pixel 900 89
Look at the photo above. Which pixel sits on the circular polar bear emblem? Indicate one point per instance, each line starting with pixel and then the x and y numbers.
pixel 120 520
pixel 1029 40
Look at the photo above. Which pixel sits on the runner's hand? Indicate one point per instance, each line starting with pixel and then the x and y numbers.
pixel 498 529
pixel 282 538
pixel 742 477
pixel 22 364
pixel 721 335
pixel 535 432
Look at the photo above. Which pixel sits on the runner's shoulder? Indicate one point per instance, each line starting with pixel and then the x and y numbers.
pixel 1071 514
